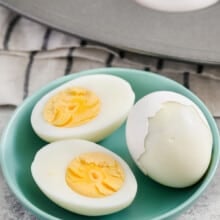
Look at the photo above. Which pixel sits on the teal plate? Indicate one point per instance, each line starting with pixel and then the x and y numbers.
pixel 153 201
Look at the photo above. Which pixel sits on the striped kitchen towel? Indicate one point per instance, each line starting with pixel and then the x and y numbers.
pixel 31 55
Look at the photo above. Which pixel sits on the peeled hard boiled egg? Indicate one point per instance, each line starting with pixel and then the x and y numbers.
pixel 84 177
pixel 89 107
pixel 177 6
pixel 169 138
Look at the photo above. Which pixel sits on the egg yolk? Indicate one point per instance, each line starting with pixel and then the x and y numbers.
pixel 72 107
pixel 94 174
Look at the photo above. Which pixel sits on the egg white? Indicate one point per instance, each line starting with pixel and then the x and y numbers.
pixel 178 156
pixel 177 5
pixel 48 170
pixel 117 98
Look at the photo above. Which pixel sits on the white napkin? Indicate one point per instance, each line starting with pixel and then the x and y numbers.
pixel 32 55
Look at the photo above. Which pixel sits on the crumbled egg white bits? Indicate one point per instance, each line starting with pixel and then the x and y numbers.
pixel 88 107
pixel 175 5
pixel 49 170
pixel 169 138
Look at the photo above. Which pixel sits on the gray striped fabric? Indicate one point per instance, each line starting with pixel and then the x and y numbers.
pixel 31 55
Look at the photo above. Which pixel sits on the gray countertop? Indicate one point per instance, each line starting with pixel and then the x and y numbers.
pixel 206 207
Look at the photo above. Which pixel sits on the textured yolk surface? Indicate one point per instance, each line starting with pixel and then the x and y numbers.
pixel 94 174
pixel 72 107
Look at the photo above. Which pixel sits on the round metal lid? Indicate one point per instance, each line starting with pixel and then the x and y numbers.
pixel 192 36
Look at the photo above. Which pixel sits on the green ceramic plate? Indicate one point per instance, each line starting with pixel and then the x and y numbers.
pixel 153 201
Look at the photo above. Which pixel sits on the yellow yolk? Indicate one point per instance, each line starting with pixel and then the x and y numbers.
pixel 72 107
pixel 94 174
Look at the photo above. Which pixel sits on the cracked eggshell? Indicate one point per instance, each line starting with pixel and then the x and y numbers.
pixel 137 129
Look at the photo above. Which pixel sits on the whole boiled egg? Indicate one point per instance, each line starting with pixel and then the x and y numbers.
pixel 84 177
pixel 88 107
pixel 169 138
pixel 175 5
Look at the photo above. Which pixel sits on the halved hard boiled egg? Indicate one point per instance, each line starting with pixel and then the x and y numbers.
pixel 84 177
pixel 169 138
pixel 89 107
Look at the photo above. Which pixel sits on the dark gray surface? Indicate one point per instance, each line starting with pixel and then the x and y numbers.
pixel 192 36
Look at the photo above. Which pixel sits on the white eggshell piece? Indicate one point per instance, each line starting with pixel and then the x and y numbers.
pixel 169 138
pixel 146 108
